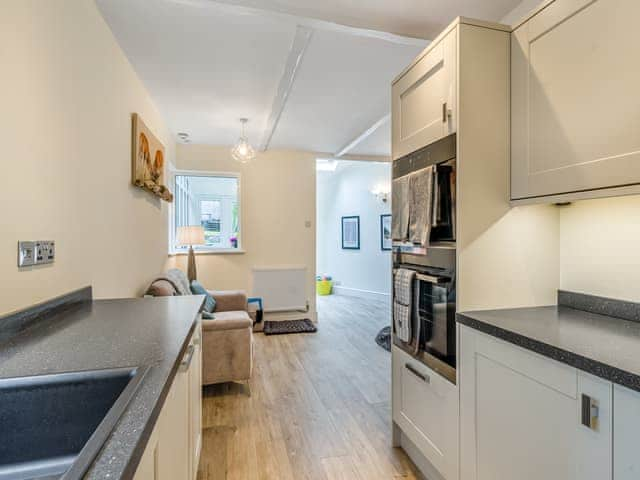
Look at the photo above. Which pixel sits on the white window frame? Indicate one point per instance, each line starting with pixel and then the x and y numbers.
pixel 206 250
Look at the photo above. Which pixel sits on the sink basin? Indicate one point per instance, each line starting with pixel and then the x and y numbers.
pixel 53 426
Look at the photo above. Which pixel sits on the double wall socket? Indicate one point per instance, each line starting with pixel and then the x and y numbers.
pixel 36 253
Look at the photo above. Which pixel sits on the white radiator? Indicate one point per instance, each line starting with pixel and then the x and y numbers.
pixel 282 288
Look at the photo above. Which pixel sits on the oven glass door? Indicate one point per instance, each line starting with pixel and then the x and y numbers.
pixel 436 315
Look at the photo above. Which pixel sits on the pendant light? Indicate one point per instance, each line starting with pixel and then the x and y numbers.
pixel 243 152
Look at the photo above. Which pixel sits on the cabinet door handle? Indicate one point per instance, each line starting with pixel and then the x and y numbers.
pixel 444 112
pixel 590 412
pixel 421 376
pixel 186 361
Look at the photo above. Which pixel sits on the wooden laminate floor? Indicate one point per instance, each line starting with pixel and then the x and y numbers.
pixel 319 407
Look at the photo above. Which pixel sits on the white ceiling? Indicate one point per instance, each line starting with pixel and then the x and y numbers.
pixel 413 18
pixel 208 63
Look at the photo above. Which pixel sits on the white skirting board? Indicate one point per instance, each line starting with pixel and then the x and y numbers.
pixel 283 288
pixel 356 292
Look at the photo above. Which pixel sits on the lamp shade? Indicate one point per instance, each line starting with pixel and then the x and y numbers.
pixel 190 235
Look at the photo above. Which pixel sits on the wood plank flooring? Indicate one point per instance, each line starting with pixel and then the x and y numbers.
pixel 319 407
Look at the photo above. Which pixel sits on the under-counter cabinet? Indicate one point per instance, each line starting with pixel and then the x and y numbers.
pixel 424 96
pixel 525 416
pixel 626 425
pixel 173 449
pixel 575 108
pixel 425 408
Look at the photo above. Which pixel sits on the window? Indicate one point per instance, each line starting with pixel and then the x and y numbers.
pixel 212 201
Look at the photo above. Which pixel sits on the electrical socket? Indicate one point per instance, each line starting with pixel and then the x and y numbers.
pixel 45 251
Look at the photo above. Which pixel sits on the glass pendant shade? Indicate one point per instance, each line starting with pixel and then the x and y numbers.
pixel 242 151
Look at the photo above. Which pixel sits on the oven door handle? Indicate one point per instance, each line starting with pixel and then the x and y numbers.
pixel 432 278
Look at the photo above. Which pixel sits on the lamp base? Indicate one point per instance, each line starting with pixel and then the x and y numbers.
pixel 191 266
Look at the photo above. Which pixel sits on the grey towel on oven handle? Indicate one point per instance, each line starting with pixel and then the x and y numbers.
pixel 420 205
pixel 400 209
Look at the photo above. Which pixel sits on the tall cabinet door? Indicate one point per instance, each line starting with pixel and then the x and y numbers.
pixel 424 99
pixel 575 103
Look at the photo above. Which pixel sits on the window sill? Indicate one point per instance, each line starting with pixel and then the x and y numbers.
pixel 230 251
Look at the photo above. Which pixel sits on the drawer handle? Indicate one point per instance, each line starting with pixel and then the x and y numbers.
pixel 421 376
pixel 186 361
pixel 590 412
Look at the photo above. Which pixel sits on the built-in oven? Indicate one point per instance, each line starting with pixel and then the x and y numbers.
pixel 433 318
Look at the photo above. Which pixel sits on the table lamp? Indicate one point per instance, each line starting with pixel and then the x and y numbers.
pixel 190 235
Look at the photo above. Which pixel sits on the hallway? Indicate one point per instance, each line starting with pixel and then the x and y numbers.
pixel 319 406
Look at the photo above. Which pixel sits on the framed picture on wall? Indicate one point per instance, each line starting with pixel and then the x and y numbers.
pixel 385 232
pixel 351 233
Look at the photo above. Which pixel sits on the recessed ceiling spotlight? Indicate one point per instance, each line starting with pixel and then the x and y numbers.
pixel 183 136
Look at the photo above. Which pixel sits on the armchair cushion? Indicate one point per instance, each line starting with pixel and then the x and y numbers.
pixel 229 301
pixel 209 301
pixel 227 321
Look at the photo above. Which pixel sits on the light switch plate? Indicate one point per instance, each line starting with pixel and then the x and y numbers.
pixel 26 254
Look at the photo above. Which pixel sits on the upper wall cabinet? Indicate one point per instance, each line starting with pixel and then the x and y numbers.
pixel 575 107
pixel 423 98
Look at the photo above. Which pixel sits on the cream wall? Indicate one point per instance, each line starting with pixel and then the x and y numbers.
pixel 600 247
pixel 278 197
pixel 67 93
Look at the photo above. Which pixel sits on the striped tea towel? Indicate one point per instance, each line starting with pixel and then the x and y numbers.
pixel 403 303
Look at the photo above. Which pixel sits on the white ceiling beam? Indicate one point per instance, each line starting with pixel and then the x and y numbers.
pixel 362 137
pixel 238 7
pixel 294 59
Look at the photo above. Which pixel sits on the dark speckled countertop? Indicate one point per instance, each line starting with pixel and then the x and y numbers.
pixel 602 345
pixel 108 334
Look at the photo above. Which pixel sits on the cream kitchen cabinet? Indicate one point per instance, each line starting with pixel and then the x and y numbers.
pixel 424 97
pixel 425 408
pixel 521 415
pixel 173 449
pixel 626 425
pixel 195 403
pixel 575 108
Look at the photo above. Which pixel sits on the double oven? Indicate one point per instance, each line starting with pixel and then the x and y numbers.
pixel 433 339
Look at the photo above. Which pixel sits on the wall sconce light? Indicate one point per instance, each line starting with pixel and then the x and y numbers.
pixel 381 193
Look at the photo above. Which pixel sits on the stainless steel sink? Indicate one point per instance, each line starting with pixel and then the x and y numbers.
pixel 53 426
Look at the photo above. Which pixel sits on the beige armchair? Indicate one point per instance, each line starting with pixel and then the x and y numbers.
pixel 227 340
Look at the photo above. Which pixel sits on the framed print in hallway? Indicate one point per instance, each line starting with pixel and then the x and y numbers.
pixel 351 233
pixel 385 232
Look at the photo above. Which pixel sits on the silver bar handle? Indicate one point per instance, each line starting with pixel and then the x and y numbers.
pixel 431 278
pixel 424 377
pixel 444 112
pixel 590 412
pixel 186 361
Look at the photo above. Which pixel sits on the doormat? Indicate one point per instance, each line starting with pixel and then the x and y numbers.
pixel 289 326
